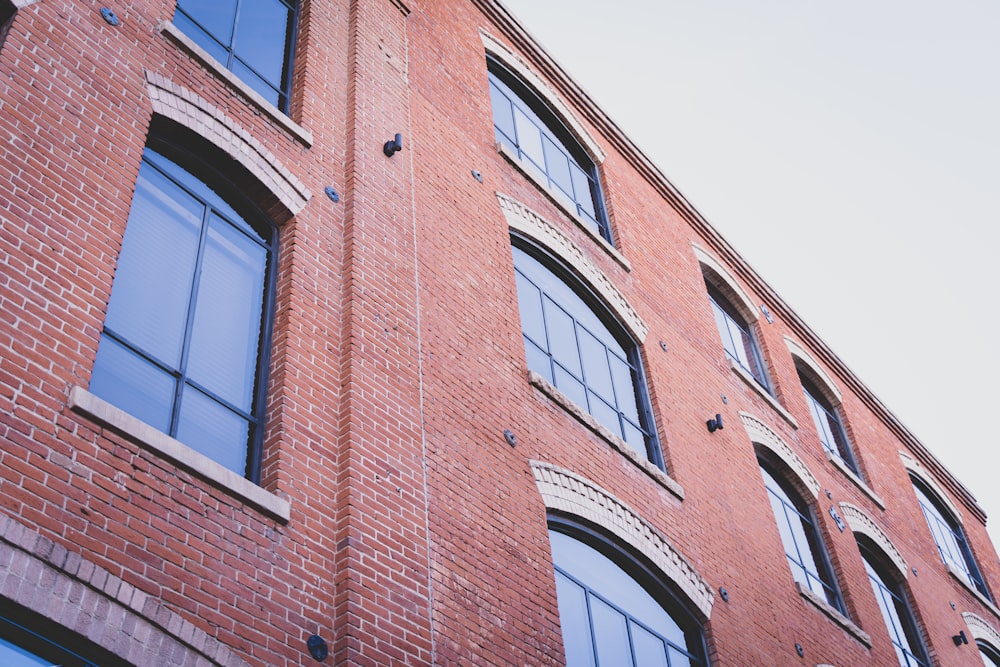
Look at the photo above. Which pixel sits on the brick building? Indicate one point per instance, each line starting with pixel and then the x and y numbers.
pixel 276 382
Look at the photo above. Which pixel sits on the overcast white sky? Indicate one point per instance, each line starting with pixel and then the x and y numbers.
pixel 851 152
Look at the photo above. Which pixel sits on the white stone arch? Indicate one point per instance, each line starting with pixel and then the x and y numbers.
pixel 824 382
pixel 918 471
pixel 982 630
pixel 763 436
pixel 534 227
pixel 723 280
pixel 195 113
pixel 566 492
pixel 862 524
pixel 545 92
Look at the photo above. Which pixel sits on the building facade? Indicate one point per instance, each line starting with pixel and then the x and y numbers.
pixel 354 332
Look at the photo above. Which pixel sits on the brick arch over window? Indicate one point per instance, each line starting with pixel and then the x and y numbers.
pixel 918 471
pixel 981 629
pixel 724 281
pixel 195 113
pixel 526 222
pixel 46 578
pixel 764 437
pixel 819 377
pixel 518 66
pixel 861 523
pixel 563 491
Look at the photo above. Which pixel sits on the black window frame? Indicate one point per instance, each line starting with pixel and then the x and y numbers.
pixel 825 573
pixel 231 183
pixel 7 13
pixel 819 405
pixel 721 304
pixel 988 651
pixel 615 328
pixel 45 639
pixel 284 89
pixel 892 584
pixel 637 566
pixel 538 112
pixel 945 520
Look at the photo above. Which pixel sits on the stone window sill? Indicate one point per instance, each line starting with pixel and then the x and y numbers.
pixel 582 416
pixel 301 134
pixel 853 476
pixel 544 187
pixel 771 400
pixel 961 578
pixel 834 615
pixel 99 410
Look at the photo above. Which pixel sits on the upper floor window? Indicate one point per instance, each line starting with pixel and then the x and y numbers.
pixel 737 336
pixel 544 147
pixel 949 537
pixel 801 539
pixel 185 340
pixel 587 356
pixel 989 654
pixel 827 420
pixel 609 617
pixel 896 613
pixel 252 38
pixel 28 640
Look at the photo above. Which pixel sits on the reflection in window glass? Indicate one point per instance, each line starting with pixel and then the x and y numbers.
pixel 828 424
pixel 736 337
pixel 950 539
pixel 800 538
pixel 895 613
pixel 569 345
pixel 608 618
pixel 181 345
pixel 253 38
pixel 989 654
pixel 570 175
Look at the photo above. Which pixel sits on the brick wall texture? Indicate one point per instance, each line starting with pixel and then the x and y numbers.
pixel 413 532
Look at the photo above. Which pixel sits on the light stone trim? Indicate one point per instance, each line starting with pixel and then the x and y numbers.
pixel 82 401
pixel 21 4
pixel 523 220
pixel 834 615
pixel 981 629
pixel 533 80
pixel 918 470
pixel 799 353
pixel 749 308
pixel 83 597
pixel 860 522
pixel 564 491
pixel 757 387
pixel 761 434
pixel 303 135
pixel 194 112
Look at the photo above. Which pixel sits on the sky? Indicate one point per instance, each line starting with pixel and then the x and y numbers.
pixel 851 152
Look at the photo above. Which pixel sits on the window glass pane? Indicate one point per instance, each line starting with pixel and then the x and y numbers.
pixel 12 656
pixel 529 303
pixel 650 651
pixel 581 190
pixel 570 386
pixel 529 139
pixel 226 331
pixel 215 16
pixel 562 338
pixel 610 634
pixel 557 164
pixel 152 288
pixel 595 365
pixel 202 38
pixel 605 414
pixel 634 437
pixel 261 37
pixel 538 360
pixel 125 380
pixel 210 428
pixel 575 621
pixel 503 114
pixel 621 373
pixel 263 87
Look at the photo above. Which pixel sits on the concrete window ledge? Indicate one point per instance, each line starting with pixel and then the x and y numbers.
pixel 85 403
pixel 835 615
pixel 771 400
pixel 858 482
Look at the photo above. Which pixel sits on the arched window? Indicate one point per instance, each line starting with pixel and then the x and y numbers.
pixel 989 654
pixel 585 355
pixel 252 38
pixel 29 640
pixel 612 609
pixel 892 602
pixel 737 335
pixel 949 538
pixel 800 537
pixel 526 125
pixel 185 341
pixel 826 417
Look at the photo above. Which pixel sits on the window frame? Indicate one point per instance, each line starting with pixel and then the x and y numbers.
pixel 823 574
pixel 615 329
pixel 522 97
pixel 29 631
pixel 890 583
pixel 819 405
pixel 723 306
pixel 205 165
pixel 962 563
pixel 644 574
pixel 284 89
